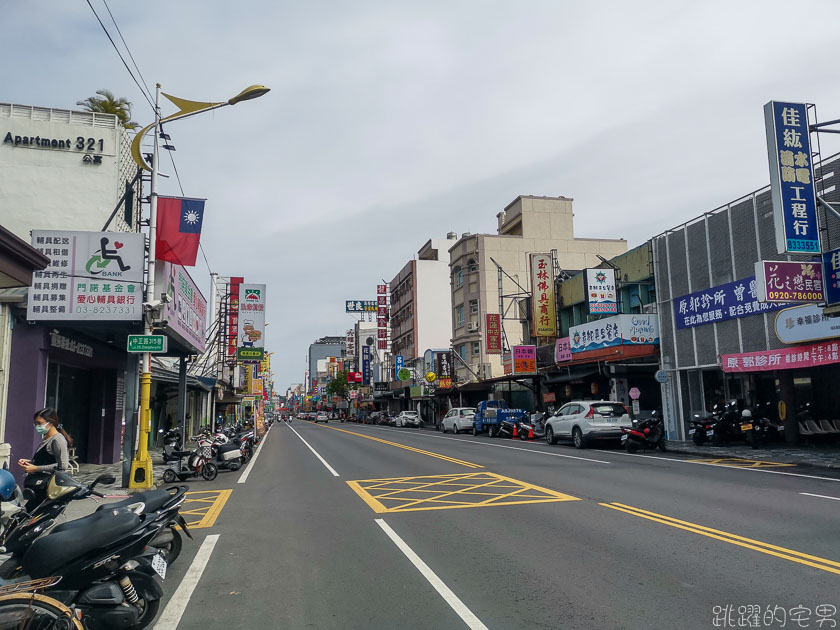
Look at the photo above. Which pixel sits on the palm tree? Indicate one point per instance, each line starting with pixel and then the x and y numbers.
pixel 107 103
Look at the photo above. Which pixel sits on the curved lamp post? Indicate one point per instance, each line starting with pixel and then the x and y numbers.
pixel 141 475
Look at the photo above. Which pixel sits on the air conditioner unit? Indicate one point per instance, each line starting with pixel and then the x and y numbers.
pixel 472 326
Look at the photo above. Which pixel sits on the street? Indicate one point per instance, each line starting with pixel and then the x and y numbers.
pixel 356 526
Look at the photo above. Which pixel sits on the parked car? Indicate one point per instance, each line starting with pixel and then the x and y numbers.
pixel 458 419
pixel 408 419
pixel 585 421
pixel 322 417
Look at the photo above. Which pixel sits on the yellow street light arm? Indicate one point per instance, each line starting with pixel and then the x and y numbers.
pixel 190 108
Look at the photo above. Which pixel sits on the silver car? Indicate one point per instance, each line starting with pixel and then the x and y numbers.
pixel 458 419
pixel 585 421
pixel 322 417
pixel 408 419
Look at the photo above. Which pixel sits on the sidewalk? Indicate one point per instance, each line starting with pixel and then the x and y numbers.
pixel 88 472
pixel 806 456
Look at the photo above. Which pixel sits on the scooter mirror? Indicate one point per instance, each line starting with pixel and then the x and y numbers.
pixel 106 479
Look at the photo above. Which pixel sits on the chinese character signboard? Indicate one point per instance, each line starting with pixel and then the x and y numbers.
pixel 805 323
pixel 366 364
pixel 147 343
pixel 831 267
pixel 791 178
pixel 233 315
pixel 381 321
pixel 92 276
pixel 785 359
pixel 785 281
pixel 350 344
pixel 493 332
pixel 507 362
pixel 354 377
pixel 360 306
pixel 524 359
pixel 399 363
pixel 562 350
pixel 601 291
pixel 252 316
pixel 544 319
pixel 443 368
pixel 186 310
pixel 717 304
pixel 621 330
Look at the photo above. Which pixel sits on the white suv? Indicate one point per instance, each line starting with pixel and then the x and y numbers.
pixel 458 419
pixel 585 421
pixel 408 419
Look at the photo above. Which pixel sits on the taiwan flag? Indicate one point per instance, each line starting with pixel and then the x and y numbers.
pixel 178 229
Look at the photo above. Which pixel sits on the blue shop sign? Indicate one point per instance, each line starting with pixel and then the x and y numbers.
pixel 791 178
pixel 831 276
pixel 720 303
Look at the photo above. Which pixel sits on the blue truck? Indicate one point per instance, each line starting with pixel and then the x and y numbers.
pixel 497 418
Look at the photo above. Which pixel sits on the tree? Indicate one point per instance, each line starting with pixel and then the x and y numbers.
pixel 338 386
pixel 107 103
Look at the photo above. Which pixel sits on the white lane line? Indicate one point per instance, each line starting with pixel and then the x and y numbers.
pixel 820 496
pixel 515 448
pixel 761 470
pixel 309 446
pixel 244 476
pixel 443 590
pixel 174 610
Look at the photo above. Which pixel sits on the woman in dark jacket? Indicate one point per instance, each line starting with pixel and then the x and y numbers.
pixel 53 453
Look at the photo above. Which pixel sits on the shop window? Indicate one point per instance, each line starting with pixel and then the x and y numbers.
pixel 462 351
pixel 459 276
pixel 476 347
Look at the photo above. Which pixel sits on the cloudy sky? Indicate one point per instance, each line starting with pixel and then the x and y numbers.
pixel 390 123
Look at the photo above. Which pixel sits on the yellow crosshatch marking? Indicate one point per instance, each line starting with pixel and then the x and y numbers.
pixel 446 492
pixel 735 462
pixel 204 506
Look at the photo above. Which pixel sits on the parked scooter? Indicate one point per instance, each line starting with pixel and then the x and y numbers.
pixel 702 428
pixel 647 434
pixel 226 454
pixel 534 426
pixel 193 463
pixel 171 443
pixel 764 429
pixel 732 426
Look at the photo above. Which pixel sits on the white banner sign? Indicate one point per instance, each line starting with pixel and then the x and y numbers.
pixel 601 291
pixel 251 316
pixel 92 276
pixel 805 323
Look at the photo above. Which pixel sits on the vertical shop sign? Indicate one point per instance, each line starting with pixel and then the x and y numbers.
pixel 831 276
pixel 493 332
pixel 562 350
pixel 251 316
pixel 382 320
pixel 791 178
pixel 544 318
pixel 443 365
pixel 601 291
pixel 365 364
pixel 399 363
pixel 350 344
pixel 233 315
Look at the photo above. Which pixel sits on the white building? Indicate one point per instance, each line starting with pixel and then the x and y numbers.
pixel 64 169
pixel 527 225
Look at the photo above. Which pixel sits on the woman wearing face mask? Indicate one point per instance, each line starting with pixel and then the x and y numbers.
pixel 53 452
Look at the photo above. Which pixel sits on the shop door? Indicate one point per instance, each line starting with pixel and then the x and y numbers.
pixel 69 388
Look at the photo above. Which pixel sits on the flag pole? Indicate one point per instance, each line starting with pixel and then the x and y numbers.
pixel 142 472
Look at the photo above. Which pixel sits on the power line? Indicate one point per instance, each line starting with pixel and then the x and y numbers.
pixel 128 50
pixel 142 91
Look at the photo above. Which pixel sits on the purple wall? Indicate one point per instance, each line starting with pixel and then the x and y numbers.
pixel 27 385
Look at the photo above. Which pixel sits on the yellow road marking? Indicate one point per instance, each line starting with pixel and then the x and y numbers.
pixel 207 506
pixel 735 462
pixel 446 492
pixel 460 462
pixel 772 550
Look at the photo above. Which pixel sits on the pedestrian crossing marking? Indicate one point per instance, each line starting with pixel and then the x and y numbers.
pixel 444 492
pixel 736 462
pixel 205 504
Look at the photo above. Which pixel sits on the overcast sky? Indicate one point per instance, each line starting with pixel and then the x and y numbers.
pixel 390 123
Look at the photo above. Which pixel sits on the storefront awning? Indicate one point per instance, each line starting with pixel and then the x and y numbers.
pixel 570 375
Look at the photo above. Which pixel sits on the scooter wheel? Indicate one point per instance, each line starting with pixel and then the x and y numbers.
pixel 630 446
pixel 697 439
pixel 209 471
pixel 169 476
pixel 661 445
pixel 172 549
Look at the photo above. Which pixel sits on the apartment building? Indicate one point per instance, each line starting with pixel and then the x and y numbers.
pixel 529 224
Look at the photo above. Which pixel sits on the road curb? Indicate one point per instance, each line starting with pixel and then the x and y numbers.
pixel 783 460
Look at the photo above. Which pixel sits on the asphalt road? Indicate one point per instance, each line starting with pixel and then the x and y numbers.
pixel 381 529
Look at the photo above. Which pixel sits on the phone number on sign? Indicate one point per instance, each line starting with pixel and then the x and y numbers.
pixel 795 296
pixel 114 310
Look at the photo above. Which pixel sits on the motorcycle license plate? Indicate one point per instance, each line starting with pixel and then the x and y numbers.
pixel 159 565
pixel 691 431
pixel 746 427
pixel 710 433
pixel 624 437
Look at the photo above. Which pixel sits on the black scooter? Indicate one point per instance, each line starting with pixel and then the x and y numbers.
pixel 172 442
pixel 644 434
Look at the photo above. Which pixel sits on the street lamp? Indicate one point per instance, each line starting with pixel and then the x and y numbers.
pixel 141 475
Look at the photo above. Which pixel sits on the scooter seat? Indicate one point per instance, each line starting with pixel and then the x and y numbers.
pixel 181 453
pixel 153 499
pixel 60 547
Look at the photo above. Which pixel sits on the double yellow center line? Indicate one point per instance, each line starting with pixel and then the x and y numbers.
pixel 756 545
pixel 460 462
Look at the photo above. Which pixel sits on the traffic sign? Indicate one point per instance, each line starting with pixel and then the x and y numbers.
pixel 661 376
pixel 147 343
pixel 635 394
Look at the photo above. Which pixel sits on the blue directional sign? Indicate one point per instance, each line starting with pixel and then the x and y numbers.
pixel 791 178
